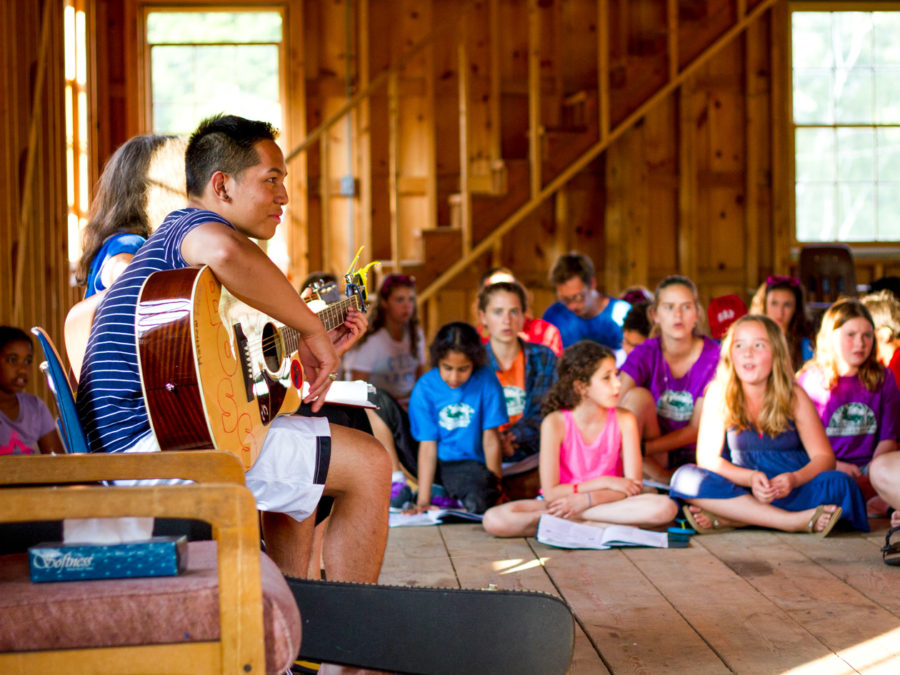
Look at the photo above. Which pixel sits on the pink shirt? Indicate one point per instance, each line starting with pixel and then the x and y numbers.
pixel 580 461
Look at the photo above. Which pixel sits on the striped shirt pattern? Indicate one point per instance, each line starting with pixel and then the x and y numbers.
pixel 110 402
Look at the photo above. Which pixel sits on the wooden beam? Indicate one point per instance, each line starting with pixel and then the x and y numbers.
pixel 393 168
pixel 26 206
pixel 465 190
pixel 603 65
pixel 672 29
pixel 534 96
pixel 782 148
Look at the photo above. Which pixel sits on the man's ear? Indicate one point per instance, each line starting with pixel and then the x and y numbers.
pixel 219 181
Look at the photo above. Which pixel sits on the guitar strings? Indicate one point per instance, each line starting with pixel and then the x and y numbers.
pixel 334 311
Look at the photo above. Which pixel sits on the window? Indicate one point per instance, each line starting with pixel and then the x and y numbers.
pixel 77 142
pixel 846 114
pixel 205 62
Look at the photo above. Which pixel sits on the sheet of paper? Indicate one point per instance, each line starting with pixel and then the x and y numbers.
pixel 345 392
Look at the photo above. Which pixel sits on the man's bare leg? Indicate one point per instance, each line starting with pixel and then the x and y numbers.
pixel 288 542
pixel 359 478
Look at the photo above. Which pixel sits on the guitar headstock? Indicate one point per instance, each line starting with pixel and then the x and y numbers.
pixel 356 284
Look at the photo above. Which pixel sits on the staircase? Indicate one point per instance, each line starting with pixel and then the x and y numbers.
pixel 518 141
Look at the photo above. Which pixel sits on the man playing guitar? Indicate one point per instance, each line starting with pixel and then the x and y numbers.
pixel 235 185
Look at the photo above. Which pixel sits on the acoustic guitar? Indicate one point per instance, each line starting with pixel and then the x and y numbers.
pixel 216 372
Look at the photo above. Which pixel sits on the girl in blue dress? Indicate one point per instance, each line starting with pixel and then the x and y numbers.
pixel 763 455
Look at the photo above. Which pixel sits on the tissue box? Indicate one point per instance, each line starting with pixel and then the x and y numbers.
pixel 155 557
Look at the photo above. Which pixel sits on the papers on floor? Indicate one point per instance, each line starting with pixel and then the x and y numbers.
pixel 345 392
pixel 564 533
pixel 433 517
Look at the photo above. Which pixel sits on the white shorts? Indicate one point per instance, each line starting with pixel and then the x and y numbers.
pixel 289 474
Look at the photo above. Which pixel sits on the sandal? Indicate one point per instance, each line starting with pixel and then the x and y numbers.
pixel 890 553
pixel 714 519
pixel 820 511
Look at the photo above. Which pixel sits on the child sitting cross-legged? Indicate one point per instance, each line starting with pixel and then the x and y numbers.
pixel 763 456
pixel 590 459
pixel 454 412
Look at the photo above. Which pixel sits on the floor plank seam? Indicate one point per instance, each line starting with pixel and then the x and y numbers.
pixel 765 597
pixel 679 612
pixel 449 556
pixel 575 616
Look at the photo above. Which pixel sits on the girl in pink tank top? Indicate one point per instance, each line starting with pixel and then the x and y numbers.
pixel 590 457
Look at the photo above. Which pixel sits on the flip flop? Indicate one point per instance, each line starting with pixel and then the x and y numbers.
pixel 820 511
pixel 714 519
pixel 890 553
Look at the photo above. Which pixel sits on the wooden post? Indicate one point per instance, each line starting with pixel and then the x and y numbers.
pixel 431 187
pixel 494 95
pixel 672 24
pixel 782 139
pixel 393 168
pixel 465 206
pixel 364 135
pixel 754 121
pixel 534 96
pixel 603 65
pixel 687 181
pixel 325 198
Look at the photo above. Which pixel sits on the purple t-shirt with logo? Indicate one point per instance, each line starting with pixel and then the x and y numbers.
pixel 856 420
pixel 674 398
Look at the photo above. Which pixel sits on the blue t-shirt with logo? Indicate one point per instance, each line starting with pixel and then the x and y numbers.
pixel 455 418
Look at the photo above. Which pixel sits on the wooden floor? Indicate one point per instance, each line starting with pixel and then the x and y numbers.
pixel 748 601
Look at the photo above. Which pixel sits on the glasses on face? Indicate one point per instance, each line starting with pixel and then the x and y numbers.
pixel 572 299
pixel 776 280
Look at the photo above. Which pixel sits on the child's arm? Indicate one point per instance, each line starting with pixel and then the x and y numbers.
pixel 51 444
pixel 427 468
pixel 884 447
pixel 680 437
pixel 814 441
pixel 632 465
pixel 553 430
pixel 493 455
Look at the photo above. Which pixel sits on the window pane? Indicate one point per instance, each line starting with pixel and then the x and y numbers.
pixel 887 103
pixel 815 212
pixel 889 211
pixel 815 159
pixel 813 96
pixel 852 39
pixel 811 39
pixel 856 154
pixel 206 27
pixel 887 47
pixel 888 154
pixel 856 212
pixel 854 96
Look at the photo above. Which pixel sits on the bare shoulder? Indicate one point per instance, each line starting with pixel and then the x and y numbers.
pixel 553 422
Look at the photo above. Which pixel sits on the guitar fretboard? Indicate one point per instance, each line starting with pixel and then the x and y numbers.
pixel 332 317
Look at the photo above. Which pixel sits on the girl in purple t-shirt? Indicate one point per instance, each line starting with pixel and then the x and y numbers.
pixel 25 422
pixel 664 379
pixel 856 397
pixel 590 460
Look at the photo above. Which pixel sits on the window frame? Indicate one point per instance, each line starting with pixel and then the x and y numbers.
pixel 865 248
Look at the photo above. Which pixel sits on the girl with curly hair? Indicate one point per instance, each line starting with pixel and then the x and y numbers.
pixel 590 458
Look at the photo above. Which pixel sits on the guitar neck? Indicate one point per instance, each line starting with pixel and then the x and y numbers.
pixel 332 317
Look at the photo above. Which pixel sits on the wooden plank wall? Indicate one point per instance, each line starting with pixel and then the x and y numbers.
pixel 34 236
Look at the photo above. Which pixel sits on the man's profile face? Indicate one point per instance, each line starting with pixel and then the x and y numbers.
pixel 575 295
pixel 258 194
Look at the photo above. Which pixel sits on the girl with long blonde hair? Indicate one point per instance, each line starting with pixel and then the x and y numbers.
pixel 762 455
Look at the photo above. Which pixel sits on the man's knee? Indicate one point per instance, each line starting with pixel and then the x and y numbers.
pixel 358 457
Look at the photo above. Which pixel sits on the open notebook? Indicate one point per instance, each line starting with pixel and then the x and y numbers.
pixel 564 533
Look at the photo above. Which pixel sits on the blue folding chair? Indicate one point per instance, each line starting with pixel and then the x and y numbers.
pixel 63 392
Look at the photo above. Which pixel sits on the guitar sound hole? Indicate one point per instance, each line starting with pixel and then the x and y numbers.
pixel 271 342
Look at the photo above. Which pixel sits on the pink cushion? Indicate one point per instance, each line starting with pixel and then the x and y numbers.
pixel 124 612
